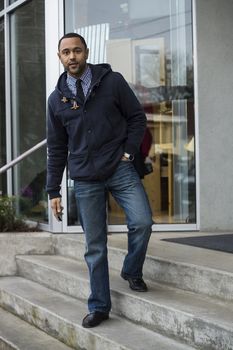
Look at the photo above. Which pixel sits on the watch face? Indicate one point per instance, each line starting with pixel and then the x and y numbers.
pixel 131 157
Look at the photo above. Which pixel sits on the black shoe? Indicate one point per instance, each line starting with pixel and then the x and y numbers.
pixel 94 319
pixel 136 283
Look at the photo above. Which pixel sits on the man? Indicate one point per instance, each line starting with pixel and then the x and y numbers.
pixel 97 124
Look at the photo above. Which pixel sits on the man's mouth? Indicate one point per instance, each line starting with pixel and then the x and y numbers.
pixel 74 64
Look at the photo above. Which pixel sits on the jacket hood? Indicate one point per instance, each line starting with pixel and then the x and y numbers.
pixel 98 72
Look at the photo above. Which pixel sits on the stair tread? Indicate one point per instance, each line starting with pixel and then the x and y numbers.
pixel 165 251
pixel 71 310
pixel 188 268
pixel 200 306
pixel 20 335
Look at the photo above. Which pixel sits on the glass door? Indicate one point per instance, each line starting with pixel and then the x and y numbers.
pixel 3 181
pixel 151 45
pixel 28 111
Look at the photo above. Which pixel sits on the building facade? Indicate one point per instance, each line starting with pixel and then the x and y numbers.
pixel 175 55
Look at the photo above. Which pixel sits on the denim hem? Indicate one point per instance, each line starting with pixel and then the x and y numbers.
pixel 126 276
pixel 100 310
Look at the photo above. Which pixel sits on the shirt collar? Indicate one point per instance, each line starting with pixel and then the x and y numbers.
pixel 85 77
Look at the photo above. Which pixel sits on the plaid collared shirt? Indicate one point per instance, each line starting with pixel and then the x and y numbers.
pixel 86 81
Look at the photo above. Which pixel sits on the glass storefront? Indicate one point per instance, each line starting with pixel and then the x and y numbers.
pixel 2 109
pixel 28 91
pixel 151 44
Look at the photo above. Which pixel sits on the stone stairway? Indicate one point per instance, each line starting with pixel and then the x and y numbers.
pixel 188 306
pixel 16 334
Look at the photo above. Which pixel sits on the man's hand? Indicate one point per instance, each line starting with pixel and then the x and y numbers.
pixel 125 159
pixel 56 207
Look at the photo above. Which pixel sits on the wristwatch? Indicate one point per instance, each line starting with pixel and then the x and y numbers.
pixel 129 156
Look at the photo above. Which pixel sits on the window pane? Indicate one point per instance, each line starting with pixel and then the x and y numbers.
pixel 151 45
pixel 29 100
pixel 2 110
pixel 31 196
pixel 1 5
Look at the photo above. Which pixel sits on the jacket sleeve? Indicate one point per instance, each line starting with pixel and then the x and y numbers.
pixel 57 143
pixel 134 115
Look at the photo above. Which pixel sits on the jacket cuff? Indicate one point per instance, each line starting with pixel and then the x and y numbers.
pixel 54 194
pixel 130 148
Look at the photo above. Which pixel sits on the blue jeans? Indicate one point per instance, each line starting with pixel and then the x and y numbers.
pixel 127 189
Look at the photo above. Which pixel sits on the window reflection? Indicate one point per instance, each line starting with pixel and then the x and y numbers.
pixel 151 45
pixel 31 196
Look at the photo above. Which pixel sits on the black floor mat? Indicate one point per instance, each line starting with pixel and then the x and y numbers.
pixel 223 242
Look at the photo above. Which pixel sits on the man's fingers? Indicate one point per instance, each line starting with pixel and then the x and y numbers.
pixel 56 205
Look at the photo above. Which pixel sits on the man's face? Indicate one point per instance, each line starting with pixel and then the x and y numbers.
pixel 73 56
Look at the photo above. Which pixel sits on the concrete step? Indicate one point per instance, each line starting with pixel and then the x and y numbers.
pixel 6 345
pixel 197 320
pixel 61 316
pixel 16 334
pixel 193 277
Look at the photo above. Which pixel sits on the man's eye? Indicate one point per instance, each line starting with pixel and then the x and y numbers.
pixel 65 53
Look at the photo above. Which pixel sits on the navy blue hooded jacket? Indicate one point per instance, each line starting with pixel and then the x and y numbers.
pixel 92 135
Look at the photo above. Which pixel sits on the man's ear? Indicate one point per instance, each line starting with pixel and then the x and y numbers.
pixel 59 56
pixel 87 53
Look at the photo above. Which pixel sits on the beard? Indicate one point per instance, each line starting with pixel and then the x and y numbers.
pixel 76 69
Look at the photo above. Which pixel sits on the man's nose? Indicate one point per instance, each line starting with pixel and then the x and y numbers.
pixel 72 54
